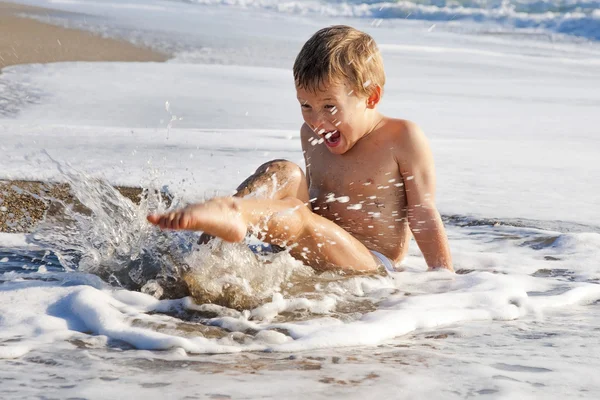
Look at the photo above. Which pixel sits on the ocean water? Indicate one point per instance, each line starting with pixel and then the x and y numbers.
pixel 509 102
pixel 544 18
pixel 571 17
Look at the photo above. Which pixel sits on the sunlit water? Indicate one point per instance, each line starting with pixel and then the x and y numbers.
pixel 519 315
pixel 512 119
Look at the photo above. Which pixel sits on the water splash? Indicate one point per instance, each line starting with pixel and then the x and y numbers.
pixel 106 234
pixel 233 275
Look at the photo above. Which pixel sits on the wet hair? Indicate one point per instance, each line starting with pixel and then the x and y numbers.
pixel 339 54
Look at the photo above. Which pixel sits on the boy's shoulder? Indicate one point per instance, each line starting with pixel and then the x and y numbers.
pixel 407 140
pixel 402 131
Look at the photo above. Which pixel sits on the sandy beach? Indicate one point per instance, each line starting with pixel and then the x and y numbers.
pixel 25 40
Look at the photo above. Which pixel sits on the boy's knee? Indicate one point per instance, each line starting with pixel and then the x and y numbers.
pixel 282 167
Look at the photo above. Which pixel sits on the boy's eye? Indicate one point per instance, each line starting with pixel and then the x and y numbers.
pixel 329 107
pixel 305 106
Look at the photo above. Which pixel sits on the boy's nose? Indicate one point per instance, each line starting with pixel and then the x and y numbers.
pixel 317 121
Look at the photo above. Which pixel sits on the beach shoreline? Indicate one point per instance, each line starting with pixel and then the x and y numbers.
pixel 25 40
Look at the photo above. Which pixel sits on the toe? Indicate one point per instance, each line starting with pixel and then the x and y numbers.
pixel 153 218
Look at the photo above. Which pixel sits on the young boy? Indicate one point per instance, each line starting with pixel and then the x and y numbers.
pixel 369 178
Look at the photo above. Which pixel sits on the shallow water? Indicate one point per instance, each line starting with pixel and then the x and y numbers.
pixel 539 343
pixel 511 117
pixel 520 289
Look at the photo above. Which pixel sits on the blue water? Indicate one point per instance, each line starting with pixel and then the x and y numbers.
pixel 577 18
pixel 21 260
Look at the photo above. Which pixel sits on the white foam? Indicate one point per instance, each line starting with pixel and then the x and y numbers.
pixel 14 240
pixel 13 351
pixel 280 305
pixel 55 313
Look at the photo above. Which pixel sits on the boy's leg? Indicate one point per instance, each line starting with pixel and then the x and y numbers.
pixel 276 179
pixel 288 222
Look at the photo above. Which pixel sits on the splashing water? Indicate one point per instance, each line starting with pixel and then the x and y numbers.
pixel 276 301
pixel 242 300
pixel 106 234
pixel 233 275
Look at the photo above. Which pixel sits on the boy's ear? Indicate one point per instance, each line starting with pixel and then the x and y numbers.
pixel 374 97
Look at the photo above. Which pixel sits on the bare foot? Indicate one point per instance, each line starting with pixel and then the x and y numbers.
pixel 219 217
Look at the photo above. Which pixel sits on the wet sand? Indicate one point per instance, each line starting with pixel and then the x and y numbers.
pixel 24 203
pixel 23 41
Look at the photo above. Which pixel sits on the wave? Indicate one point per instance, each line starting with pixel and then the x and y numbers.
pixel 220 298
pixel 571 17
pixel 465 221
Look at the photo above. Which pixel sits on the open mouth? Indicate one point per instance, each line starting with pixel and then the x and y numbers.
pixel 332 139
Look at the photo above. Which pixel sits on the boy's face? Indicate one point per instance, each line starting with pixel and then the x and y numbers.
pixel 336 114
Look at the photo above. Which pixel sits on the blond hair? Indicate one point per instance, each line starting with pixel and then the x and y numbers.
pixel 339 54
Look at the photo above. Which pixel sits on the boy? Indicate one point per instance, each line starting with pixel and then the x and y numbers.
pixel 369 178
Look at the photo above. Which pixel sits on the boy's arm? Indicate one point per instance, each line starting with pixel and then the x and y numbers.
pixel 417 170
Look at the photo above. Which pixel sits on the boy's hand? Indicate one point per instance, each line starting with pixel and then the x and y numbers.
pixel 417 170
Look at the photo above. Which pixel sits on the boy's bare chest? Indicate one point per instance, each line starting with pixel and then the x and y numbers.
pixel 362 193
pixel 365 173
pixel 354 192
